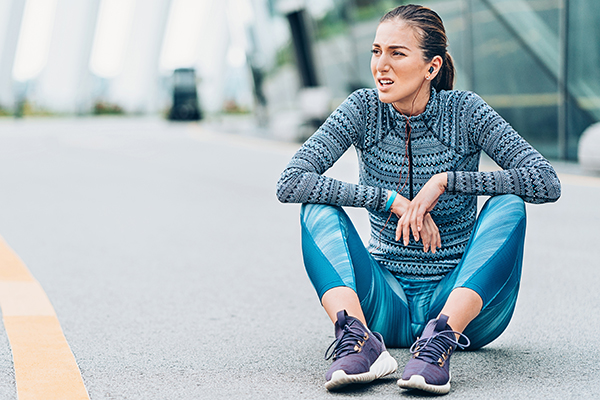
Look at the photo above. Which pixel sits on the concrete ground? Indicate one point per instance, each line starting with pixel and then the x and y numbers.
pixel 176 274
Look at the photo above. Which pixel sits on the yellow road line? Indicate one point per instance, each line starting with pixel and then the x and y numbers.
pixel 12 268
pixel 45 367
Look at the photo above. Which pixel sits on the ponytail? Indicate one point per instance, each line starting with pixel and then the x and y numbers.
pixel 445 78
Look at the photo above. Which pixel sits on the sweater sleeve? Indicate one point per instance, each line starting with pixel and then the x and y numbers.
pixel 303 181
pixel 525 173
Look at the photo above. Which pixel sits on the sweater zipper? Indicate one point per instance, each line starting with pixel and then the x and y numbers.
pixel 410 170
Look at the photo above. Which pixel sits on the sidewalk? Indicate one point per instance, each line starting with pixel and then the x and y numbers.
pixel 176 274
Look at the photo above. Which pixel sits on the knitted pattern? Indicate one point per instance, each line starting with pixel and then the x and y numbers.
pixel 447 137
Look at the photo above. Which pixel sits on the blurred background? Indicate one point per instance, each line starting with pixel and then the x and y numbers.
pixel 278 67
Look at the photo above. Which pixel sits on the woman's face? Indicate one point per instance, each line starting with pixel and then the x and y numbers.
pixel 398 66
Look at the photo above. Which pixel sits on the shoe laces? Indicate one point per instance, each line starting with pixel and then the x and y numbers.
pixel 437 348
pixel 350 341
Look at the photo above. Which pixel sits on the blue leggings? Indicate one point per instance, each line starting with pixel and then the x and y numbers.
pixel 399 307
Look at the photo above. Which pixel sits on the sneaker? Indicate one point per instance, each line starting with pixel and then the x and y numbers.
pixel 359 355
pixel 429 367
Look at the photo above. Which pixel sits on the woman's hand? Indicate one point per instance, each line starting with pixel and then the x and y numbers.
pixel 400 205
pixel 414 218
pixel 430 234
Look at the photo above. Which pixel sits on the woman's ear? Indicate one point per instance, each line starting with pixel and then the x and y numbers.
pixel 434 67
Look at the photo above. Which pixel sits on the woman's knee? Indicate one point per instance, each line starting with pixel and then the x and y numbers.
pixel 493 258
pixel 492 321
pixel 510 206
pixel 317 214
pixel 502 215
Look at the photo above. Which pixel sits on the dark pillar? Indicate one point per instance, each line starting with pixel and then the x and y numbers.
pixel 302 48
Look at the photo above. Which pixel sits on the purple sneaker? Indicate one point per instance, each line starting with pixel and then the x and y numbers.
pixel 429 367
pixel 359 355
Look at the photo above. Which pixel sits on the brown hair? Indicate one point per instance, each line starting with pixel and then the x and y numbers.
pixel 432 39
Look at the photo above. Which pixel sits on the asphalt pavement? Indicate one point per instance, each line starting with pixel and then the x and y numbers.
pixel 176 274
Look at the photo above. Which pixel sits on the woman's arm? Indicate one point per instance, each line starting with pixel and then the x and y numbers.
pixel 303 182
pixel 525 173
pixel 416 217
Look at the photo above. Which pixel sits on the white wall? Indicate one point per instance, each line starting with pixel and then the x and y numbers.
pixel 65 83
pixel 11 15
pixel 137 87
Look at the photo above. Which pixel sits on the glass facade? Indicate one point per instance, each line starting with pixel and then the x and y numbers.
pixel 537 62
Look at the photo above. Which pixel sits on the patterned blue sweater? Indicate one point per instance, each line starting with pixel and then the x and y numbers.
pixel 447 137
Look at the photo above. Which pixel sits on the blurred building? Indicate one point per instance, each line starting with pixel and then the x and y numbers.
pixel 74 57
pixel 534 61
pixel 11 15
pixel 293 61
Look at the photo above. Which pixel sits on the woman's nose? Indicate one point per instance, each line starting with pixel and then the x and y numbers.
pixel 383 63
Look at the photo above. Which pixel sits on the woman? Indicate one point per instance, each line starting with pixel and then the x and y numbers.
pixel 435 276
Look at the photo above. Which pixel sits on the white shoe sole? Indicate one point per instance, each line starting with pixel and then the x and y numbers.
pixel 383 366
pixel 418 382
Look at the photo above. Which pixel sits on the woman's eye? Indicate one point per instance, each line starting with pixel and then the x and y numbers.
pixel 397 53
pixel 375 51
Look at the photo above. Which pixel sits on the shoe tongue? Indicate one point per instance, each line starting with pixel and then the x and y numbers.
pixel 435 326
pixel 341 321
pixel 441 323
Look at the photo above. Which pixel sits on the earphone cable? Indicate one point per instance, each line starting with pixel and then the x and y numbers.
pixel 408 132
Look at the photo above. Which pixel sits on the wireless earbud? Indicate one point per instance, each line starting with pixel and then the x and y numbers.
pixel 430 70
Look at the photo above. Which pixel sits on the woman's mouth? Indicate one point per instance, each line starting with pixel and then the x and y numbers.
pixel 385 82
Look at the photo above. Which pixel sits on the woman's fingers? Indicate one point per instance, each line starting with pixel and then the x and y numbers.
pixel 424 201
pixel 432 233
pixel 418 221
pixel 426 238
pixel 405 222
pixel 417 225
pixel 415 230
pixel 412 221
pixel 399 230
pixel 428 233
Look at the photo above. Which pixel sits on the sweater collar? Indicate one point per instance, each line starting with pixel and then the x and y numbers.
pixel 424 116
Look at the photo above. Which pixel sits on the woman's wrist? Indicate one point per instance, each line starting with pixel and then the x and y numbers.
pixel 391 197
pixel 443 179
